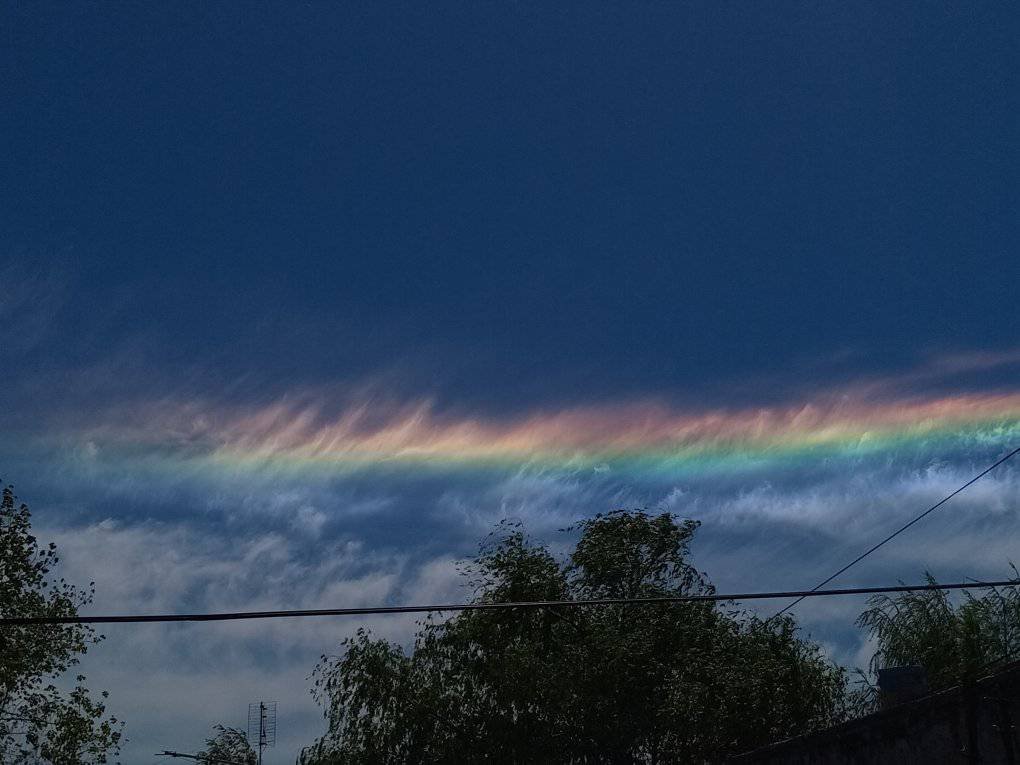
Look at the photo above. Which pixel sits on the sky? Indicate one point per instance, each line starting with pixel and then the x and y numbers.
pixel 298 300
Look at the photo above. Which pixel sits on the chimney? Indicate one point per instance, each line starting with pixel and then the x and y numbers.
pixel 899 684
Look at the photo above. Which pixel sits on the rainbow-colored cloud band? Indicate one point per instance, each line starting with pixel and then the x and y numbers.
pixel 649 436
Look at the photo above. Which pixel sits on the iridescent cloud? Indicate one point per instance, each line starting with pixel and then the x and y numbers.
pixel 298 436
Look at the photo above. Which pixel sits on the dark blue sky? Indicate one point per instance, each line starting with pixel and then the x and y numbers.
pixel 509 203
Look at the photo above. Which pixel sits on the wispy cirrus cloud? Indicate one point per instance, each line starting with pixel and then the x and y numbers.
pixel 308 434
pixel 31 298
pixel 775 532
pixel 179 500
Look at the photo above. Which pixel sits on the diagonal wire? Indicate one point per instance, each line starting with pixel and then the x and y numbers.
pixel 898 531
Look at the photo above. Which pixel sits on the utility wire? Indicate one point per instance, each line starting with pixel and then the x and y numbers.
pixel 896 533
pixel 12 621
pixel 199 757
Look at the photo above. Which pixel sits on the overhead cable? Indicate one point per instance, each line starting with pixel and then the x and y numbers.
pixel 665 600
pixel 898 531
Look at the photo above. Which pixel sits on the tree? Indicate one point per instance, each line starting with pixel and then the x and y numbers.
pixel 955 643
pixel 688 682
pixel 228 745
pixel 37 720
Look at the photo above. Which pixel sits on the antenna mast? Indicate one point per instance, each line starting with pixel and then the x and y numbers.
pixel 262 725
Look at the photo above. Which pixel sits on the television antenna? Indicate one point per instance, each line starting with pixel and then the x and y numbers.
pixel 262 724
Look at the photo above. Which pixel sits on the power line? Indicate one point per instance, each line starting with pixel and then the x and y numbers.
pixel 199 757
pixel 12 621
pixel 899 531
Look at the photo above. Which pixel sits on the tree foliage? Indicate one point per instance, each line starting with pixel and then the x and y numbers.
pixel 954 642
pixel 228 745
pixel 38 721
pixel 688 682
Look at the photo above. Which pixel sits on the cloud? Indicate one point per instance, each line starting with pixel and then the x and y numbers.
pixel 788 530
pixel 188 503
pixel 198 674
